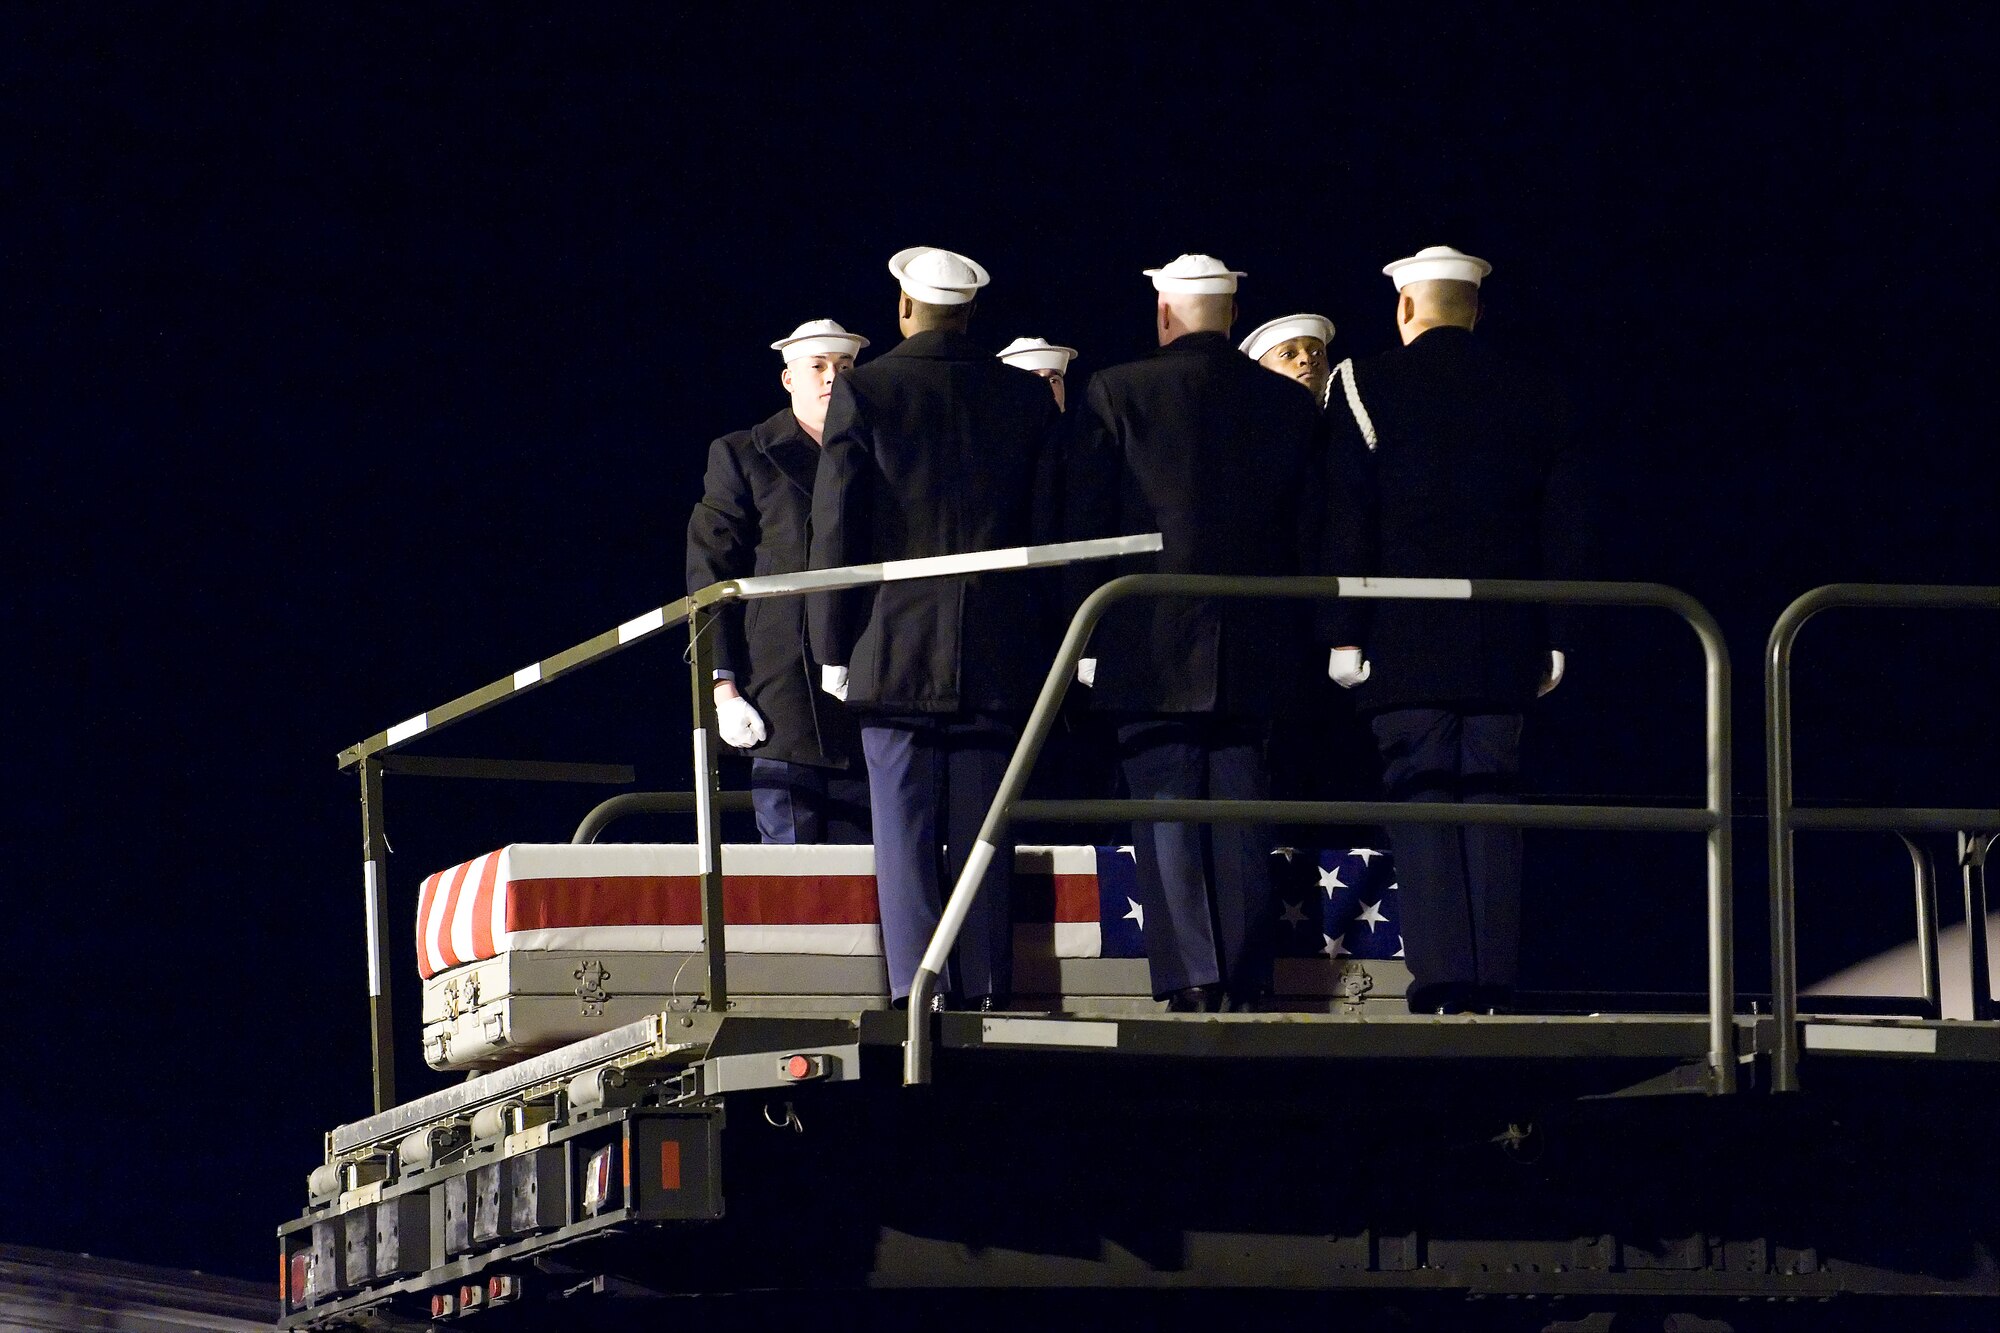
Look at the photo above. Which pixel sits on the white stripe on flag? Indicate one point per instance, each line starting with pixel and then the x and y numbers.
pixel 500 901
pixel 467 907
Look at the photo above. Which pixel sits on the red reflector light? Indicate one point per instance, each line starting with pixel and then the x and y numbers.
pixel 503 1288
pixel 670 1164
pixel 471 1298
pixel 301 1271
pixel 800 1067
pixel 442 1305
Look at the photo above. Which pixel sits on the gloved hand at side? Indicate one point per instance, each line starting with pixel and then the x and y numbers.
pixel 833 681
pixel 1555 673
pixel 1086 670
pixel 1346 668
pixel 739 722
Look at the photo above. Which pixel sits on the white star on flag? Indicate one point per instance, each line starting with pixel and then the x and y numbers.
pixel 1287 852
pixel 1394 887
pixel 1137 914
pixel 1329 879
pixel 1335 946
pixel 1399 951
pixel 1372 914
pixel 1293 915
pixel 1367 854
pixel 1131 852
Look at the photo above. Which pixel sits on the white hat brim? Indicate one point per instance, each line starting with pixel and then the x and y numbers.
pixel 821 344
pixel 1439 268
pixel 929 295
pixel 1040 358
pixel 1210 284
pixel 1269 334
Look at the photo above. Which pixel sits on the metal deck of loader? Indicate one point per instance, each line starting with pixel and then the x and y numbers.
pixel 1742 1165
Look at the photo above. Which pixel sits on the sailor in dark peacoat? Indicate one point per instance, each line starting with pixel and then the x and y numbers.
pixel 1224 460
pixel 936 448
pixel 755 517
pixel 1450 462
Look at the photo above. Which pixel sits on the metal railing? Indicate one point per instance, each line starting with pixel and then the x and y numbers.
pixel 1711 820
pixel 605 813
pixel 374 757
pixel 1975 828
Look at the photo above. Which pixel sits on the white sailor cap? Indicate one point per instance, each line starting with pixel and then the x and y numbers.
pixel 1266 336
pixel 1196 275
pixel 937 277
pixel 819 337
pixel 1434 262
pixel 1036 354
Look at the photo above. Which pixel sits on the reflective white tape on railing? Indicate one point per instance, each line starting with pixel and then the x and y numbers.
pixel 374 929
pixel 935 566
pixel 402 731
pixel 1443 590
pixel 528 675
pixel 972 562
pixel 640 626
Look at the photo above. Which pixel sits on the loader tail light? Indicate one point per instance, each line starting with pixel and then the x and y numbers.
pixel 298 1274
pixel 502 1287
pixel 443 1305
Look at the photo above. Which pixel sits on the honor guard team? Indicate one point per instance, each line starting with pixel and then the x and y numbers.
pixel 888 714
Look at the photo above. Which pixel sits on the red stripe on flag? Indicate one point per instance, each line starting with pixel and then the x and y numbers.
pixel 1076 897
pixel 424 902
pixel 675 900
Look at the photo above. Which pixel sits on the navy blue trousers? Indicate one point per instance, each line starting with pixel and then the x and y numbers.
pixel 1206 887
pixel 1460 887
pixel 802 803
pixel 931 778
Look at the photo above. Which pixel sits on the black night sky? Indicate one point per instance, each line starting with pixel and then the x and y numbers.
pixel 358 355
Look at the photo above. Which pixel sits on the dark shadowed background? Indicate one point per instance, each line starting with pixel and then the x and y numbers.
pixel 357 356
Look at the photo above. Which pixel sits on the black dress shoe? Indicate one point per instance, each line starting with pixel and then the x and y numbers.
pixel 1245 1002
pixel 987 1004
pixel 1192 1000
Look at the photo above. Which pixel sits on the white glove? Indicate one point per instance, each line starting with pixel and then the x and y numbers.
pixel 739 723
pixel 1086 670
pixel 1346 668
pixel 1555 676
pixel 833 681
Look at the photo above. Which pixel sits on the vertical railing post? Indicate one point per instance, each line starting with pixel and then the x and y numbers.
pixel 1973 847
pixel 1923 872
pixel 375 891
pixel 1784 916
pixel 707 811
pixel 1721 871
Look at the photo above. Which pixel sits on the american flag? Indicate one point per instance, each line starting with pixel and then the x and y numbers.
pixel 1336 902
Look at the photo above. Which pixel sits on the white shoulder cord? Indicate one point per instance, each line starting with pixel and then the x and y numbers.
pixel 1345 372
